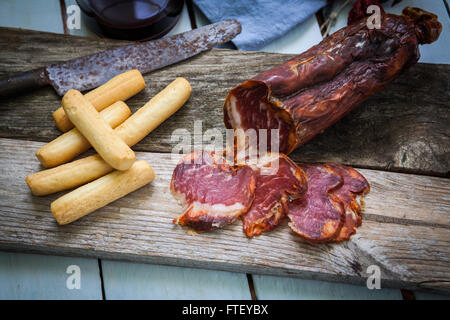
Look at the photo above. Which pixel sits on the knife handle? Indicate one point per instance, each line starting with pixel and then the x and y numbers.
pixel 22 82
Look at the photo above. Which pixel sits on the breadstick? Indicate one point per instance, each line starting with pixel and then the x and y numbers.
pixel 119 88
pixel 99 134
pixel 72 143
pixel 79 172
pixel 155 112
pixel 99 193
pixel 67 176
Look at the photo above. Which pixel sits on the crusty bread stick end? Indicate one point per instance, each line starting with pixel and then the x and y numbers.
pixel 61 121
pixel 186 83
pixel 29 181
pixel 126 160
pixel 68 175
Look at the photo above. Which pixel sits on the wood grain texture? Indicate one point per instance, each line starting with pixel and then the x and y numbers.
pixel 403 128
pixel 407 234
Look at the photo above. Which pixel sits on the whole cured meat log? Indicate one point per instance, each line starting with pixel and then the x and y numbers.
pixel 278 180
pixel 312 91
pixel 212 192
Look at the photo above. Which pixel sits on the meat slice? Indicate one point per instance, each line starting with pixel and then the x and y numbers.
pixel 277 180
pixel 213 192
pixel 355 186
pixel 319 215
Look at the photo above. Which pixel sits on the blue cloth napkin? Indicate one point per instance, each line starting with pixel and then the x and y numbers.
pixel 262 20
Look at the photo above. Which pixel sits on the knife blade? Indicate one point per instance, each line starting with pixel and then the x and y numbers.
pixel 90 71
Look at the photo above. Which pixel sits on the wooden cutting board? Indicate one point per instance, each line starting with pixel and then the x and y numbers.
pixel 399 139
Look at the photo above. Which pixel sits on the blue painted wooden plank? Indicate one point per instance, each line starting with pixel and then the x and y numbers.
pixel 436 52
pixel 430 296
pixel 279 288
pixel 184 24
pixel 33 15
pixel 32 276
pixel 200 18
pixel 124 280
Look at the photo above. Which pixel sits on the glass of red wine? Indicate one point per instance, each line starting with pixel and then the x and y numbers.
pixel 131 19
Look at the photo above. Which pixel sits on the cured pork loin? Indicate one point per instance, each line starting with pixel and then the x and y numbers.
pixel 323 201
pixel 278 180
pixel 300 98
pixel 312 91
pixel 331 209
pixel 319 215
pixel 354 188
pixel 212 192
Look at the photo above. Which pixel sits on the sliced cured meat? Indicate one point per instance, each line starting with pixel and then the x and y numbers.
pixel 213 193
pixel 277 179
pixel 355 186
pixel 319 215
pixel 310 92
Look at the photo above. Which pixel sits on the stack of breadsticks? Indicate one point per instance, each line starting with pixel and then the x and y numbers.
pixel 102 120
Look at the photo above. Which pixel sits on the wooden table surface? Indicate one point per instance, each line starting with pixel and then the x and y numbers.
pixel 30 276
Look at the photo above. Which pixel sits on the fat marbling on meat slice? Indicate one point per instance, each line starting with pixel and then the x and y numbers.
pixel 278 180
pixel 312 91
pixel 351 194
pixel 319 215
pixel 331 209
pixel 212 192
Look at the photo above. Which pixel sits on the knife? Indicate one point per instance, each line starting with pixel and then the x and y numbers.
pixel 91 71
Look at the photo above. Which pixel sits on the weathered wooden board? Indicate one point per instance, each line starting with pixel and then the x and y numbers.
pixel 403 128
pixel 406 229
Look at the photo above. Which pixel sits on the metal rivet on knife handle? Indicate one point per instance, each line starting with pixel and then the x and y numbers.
pixel 119 88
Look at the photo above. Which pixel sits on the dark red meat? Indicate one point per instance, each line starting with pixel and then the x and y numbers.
pixel 359 10
pixel 319 215
pixel 331 209
pixel 274 187
pixel 212 192
pixel 312 91
pixel 354 187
